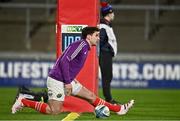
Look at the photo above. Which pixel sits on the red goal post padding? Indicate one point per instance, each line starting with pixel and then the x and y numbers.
pixel 72 15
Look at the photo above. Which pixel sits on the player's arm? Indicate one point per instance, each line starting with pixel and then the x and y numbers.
pixel 65 65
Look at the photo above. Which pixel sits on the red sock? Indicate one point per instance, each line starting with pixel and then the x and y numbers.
pixel 39 106
pixel 111 107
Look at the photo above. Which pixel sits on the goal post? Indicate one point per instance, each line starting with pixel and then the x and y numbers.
pixel 72 16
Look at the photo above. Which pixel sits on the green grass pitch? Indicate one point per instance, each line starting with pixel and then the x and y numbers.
pixel 150 104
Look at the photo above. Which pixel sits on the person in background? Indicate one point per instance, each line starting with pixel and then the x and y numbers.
pixel 108 50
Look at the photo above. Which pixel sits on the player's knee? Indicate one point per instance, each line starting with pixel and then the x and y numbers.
pixel 55 111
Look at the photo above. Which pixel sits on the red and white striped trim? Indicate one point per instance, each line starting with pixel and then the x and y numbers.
pixel 101 102
pixel 38 106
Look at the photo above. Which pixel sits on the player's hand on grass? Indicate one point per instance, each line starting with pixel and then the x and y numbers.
pixel 68 89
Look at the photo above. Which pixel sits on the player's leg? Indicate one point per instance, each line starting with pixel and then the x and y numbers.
pixel 84 93
pixel 31 96
pixel 106 74
pixel 53 106
pixel 21 102
pixel 41 96
pixel 56 98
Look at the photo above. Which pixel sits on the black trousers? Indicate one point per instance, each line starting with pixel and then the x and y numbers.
pixel 105 61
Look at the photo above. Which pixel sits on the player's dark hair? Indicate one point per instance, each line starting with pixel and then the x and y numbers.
pixel 88 31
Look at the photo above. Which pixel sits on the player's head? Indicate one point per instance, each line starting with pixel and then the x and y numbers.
pixel 91 34
pixel 107 10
